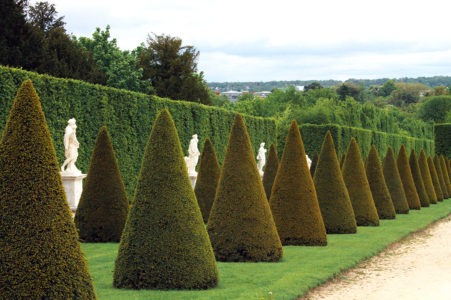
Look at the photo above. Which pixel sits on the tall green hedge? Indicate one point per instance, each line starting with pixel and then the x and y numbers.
pixel 442 138
pixel 128 116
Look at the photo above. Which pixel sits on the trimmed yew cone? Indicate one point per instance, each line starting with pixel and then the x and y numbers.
pixel 407 180
pixel 417 178
pixel 394 183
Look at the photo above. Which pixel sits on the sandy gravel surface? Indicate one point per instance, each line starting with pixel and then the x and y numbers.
pixel 417 267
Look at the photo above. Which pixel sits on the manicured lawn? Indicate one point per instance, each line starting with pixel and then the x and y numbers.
pixel 300 269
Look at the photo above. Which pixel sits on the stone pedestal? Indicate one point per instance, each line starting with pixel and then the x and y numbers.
pixel 193 179
pixel 73 186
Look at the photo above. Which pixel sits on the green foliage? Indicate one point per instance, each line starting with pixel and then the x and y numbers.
pixel 407 93
pixel 418 180
pixel 207 179
pixel 103 206
pixel 333 197
pixel 435 109
pixel 39 250
pixel 446 175
pixel 354 176
pixel 378 186
pixel 442 139
pixel 241 225
pixel 314 163
pixel 394 183
pixel 441 177
pixel 271 167
pixel 293 201
pixel 427 178
pixel 407 180
pixel 164 244
pixel 348 89
pixel 435 179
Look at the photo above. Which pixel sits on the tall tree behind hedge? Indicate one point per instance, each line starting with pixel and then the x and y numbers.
pixel 407 180
pixel 293 202
pixel 418 180
pixel 394 183
pixel 164 244
pixel 446 175
pixel 271 167
pixel 40 256
pixel 427 179
pixel 435 180
pixel 333 197
pixel 378 186
pixel 241 225
pixel 441 177
pixel 103 207
pixel 354 176
pixel 207 179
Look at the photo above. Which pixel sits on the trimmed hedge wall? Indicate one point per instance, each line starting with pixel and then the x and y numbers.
pixel 442 138
pixel 128 115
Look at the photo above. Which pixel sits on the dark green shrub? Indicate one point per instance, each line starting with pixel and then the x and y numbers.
pixel 427 179
pixel 207 179
pixel 293 202
pixel 442 139
pixel 378 186
pixel 356 182
pixel 446 175
pixel 407 180
pixel 314 163
pixel 394 183
pixel 103 206
pixel 441 177
pixel 271 167
pixel 40 256
pixel 418 180
pixel 333 197
pixel 164 244
pixel 241 225
pixel 435 180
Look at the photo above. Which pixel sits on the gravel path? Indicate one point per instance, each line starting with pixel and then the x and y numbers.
pixel 417 267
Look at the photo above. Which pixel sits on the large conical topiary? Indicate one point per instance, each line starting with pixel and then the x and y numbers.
pixel 418 180
pixel 441 177
pixel 271 167
pixel 207 179
pixel 354 176
pixel 40 255
pixel 435 180
pixel 333 197
pixel 164 244
pixel 378 186
pixel 314 163
pixel 446 175
pixel 407 180
pixel 427 179
pixel 103 206
pixel 241 225
pixel 394 183
pixel 293 202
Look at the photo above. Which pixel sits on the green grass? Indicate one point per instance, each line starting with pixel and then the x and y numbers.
pixel 300 269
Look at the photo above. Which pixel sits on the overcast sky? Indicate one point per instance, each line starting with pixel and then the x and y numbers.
pixel 250 40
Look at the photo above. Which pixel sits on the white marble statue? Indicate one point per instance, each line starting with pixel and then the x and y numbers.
pixel 193 156
pixel 70 149
pixel 309 161
pixel 261 158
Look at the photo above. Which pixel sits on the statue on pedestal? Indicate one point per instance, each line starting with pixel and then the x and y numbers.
pixel 71 145
pixel 261 158
pixel 193 158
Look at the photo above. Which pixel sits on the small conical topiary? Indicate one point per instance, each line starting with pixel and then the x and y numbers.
pixel 418 180
pixel 241 225
pixel 333 197
pixel 271 167
pixel 40 255
pixel 394 183
pixel 207 179
pixel 446 175
pixel 407 180
pixel 293 202
pixel 314 163
pixel 164 244
pixel 426 176
pixel 354 176
pixel 103 206
pixel 441 177
pixel 378 186
pixel 435 180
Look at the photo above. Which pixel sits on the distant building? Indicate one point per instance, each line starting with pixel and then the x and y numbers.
pixel 262 94
pixel 232 95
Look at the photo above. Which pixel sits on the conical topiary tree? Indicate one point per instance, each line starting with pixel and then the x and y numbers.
pixel 333 197
pixel 164 244
pixel 446 175
pixel 103 206
pixel 207 179
pixel 354 176
pixel 405 173
pixel 378 186
pixel 293 202
pixel 418 180
pixel 441 178
pixel 435 180
pixel 314 163
pixel 241 225
pixel 394 184
pixel 271 167
pixel 426 176
pixel 40 255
